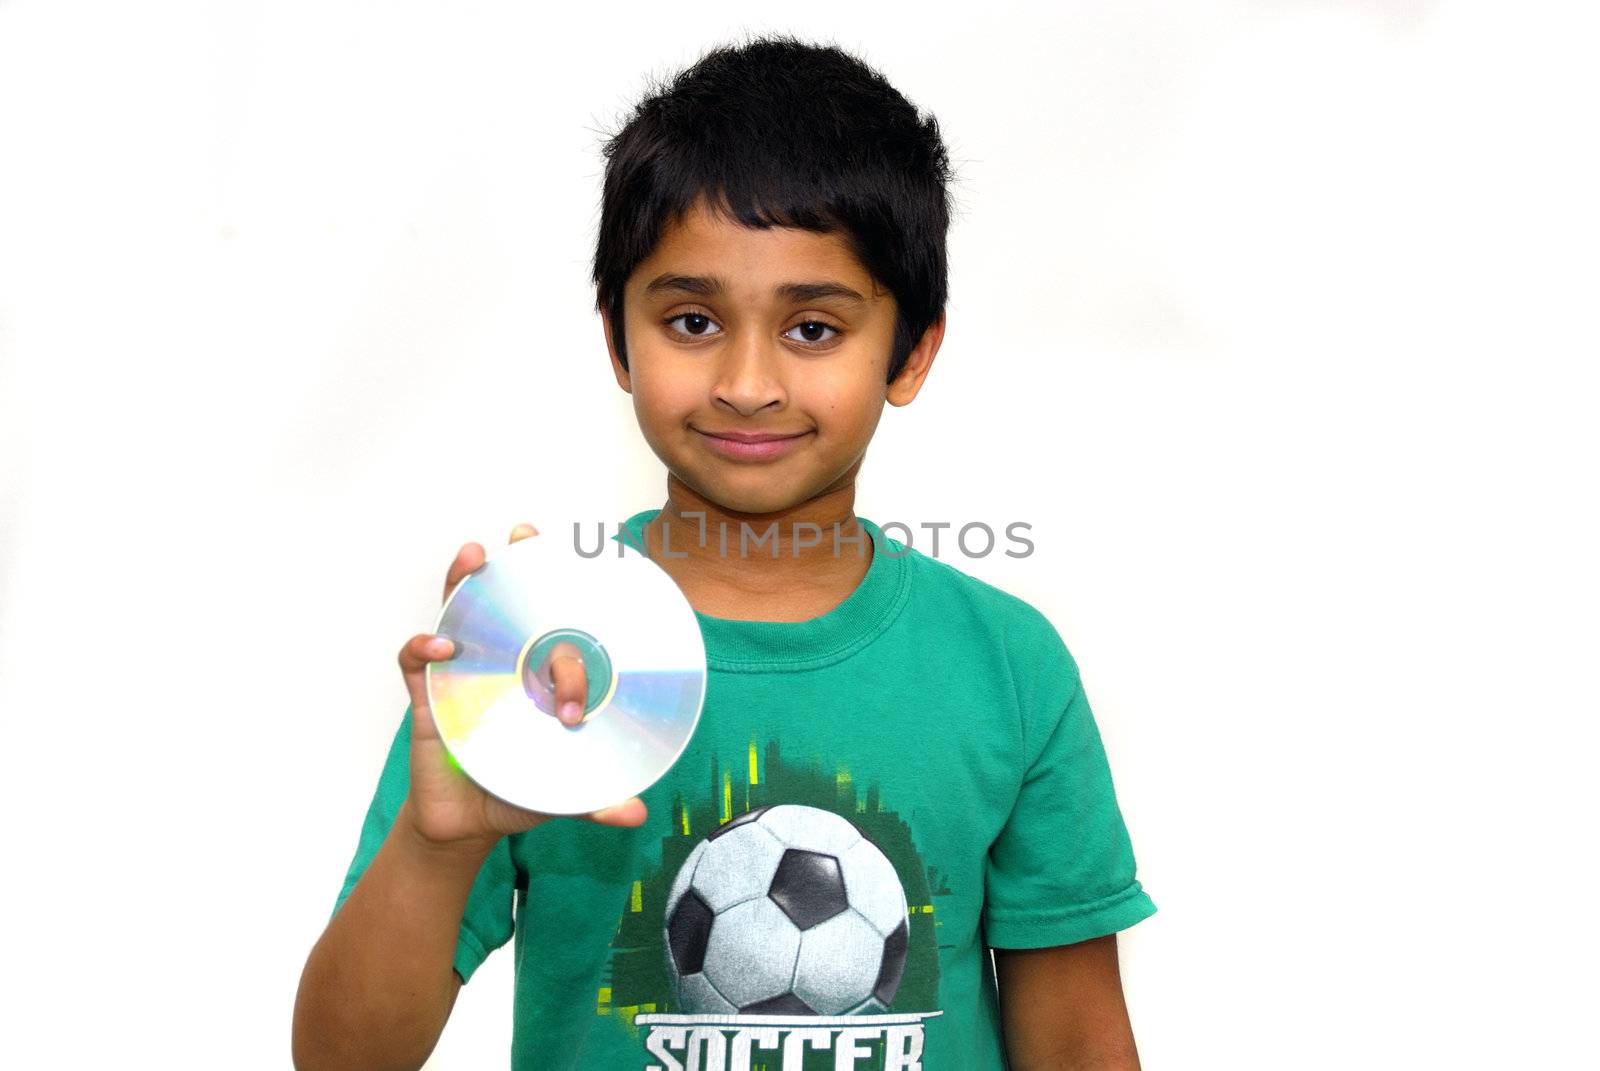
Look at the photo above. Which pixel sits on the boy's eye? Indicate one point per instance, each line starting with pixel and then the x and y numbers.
pixel 694 323
pixel 810 331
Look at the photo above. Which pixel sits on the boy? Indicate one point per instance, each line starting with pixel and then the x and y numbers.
pixel 896 767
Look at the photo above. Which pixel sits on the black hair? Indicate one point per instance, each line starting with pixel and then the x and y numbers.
pixel 780 132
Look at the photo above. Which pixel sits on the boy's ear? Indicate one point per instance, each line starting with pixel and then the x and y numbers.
pixel 623 379
pixel 906 385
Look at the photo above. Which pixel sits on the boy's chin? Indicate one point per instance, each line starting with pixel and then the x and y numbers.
pixel 765 498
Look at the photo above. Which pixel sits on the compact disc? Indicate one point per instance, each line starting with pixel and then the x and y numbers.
pixel 643 656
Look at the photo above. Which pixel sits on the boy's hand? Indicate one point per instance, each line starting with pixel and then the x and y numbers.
pixel 444 806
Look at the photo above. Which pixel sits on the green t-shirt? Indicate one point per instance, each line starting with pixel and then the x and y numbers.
pixel 870 799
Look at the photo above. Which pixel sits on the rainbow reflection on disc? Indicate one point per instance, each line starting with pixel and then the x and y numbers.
pixel 642 652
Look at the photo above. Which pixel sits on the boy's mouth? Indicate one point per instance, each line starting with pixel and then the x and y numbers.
pixel 751 445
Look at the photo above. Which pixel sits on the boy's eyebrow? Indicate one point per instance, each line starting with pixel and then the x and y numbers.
pixel 711 285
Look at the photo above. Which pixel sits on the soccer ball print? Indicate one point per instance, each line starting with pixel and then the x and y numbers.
pixel 786 910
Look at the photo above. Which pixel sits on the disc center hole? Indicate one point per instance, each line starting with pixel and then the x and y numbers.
pixel 540 667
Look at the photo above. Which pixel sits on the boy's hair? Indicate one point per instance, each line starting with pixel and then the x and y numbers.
pixel 778 132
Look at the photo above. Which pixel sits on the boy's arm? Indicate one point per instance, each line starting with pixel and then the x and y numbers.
pixel 379 985
pixel 1062 1008
pixel 380 982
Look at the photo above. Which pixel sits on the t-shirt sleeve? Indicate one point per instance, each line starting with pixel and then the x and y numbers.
pixel 487 921
pixel 1062 868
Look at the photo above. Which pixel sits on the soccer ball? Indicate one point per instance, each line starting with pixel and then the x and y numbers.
pixel 786 910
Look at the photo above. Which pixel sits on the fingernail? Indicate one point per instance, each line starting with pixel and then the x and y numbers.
pixel 571 712
pixel 438 645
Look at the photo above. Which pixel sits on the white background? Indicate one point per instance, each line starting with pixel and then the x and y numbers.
pixel 1275 320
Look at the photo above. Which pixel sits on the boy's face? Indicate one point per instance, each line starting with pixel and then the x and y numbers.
pixel 717 347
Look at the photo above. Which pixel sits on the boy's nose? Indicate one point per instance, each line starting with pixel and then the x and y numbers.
pixel 749 377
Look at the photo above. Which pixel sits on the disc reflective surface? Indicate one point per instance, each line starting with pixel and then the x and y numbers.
pixel 643 655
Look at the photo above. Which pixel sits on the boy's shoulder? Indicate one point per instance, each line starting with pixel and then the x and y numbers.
pixel 963 600
pixel 1000 636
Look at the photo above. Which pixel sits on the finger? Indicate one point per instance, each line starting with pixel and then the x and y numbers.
pixel 629 813
pixel 523 531
pixel 423 648
pixel 570 681
pixel 415 654
pixel 469 559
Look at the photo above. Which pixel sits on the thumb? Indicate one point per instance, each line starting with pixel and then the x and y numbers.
pixel 627 814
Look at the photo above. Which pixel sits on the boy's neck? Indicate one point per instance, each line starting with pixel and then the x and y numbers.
pixel 796 571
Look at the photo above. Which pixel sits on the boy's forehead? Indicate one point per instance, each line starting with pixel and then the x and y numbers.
pixel 710 253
